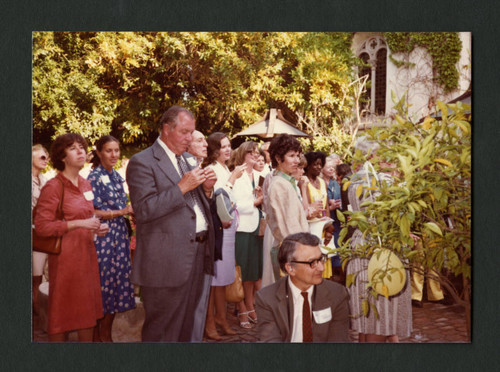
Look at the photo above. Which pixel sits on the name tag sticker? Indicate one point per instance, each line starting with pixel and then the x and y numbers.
pixel 322 316
pixel 89 195
pixel 192 162
pixel 105 179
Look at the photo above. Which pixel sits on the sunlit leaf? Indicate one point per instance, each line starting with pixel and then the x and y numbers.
pixel 359 191
pixel 434 228
pixel 365 307
pixel 385 291
pixel 428 122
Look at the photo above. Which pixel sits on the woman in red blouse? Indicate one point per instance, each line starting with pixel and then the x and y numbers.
pixel 74 285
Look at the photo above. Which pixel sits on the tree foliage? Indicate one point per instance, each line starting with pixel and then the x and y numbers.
pixel 121 82
pixel 430 197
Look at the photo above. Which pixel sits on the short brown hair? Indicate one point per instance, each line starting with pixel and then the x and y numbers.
pixel 286 252
pixel 61 143
pixel 171 116
pixel 280 145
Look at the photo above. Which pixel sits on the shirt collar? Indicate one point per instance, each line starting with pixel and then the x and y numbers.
pixel 296 292
pixel 290 179
pixel 171 155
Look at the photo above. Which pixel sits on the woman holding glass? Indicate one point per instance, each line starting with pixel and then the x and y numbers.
pixel 75 292
pixel 316 193
pixel 113 250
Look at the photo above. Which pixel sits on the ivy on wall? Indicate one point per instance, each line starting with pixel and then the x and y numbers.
pixel 443 47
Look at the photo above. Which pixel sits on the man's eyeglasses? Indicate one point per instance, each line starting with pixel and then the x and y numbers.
pixel 313 263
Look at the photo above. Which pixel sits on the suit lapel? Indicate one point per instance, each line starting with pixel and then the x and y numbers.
pixel 165 164
pixel 285 308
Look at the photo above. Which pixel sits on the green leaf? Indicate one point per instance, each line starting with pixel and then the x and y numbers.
pixel 374 309
pixel 349 279
pixel 443 108
pixel 434 228
pixel 404 224
pixel 365 307
pixel 340 215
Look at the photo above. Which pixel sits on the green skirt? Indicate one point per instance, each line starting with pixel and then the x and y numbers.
pixel 248 254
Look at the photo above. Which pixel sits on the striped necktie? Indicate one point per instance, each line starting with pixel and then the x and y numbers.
pixel 193 197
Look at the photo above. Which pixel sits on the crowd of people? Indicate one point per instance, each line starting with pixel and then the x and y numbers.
pixel 282 231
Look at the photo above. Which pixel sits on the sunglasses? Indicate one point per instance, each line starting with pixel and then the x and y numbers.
pixel 43 157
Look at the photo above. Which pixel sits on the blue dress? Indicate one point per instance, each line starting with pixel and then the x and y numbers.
pixel 113 250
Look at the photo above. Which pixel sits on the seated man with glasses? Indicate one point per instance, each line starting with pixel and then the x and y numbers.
pixel 302 307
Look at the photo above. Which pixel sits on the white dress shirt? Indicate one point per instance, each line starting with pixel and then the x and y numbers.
pixel 298 303
pixel 201 222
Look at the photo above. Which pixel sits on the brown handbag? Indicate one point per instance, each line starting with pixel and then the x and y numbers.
pixel 234 291
pixel 49 244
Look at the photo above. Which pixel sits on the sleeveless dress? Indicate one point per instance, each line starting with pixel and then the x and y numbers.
pixel 315 195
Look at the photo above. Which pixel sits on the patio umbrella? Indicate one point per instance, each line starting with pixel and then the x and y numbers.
pixel 272 124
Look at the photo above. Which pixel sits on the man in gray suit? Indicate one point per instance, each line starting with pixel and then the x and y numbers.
pixel 302 307
pixel 174 236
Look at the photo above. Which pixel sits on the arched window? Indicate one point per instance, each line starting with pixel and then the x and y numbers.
pixel 374 52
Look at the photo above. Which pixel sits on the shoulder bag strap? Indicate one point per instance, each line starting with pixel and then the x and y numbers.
pixel 60 213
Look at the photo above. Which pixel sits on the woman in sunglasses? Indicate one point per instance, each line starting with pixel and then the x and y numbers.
pixel 39 163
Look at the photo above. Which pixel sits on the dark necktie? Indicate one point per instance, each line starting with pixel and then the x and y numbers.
pixel 307 335
pixel 193 197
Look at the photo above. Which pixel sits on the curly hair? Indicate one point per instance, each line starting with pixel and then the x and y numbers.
pixel 61 143
pixel 312 156
pixel 280 145
pixel 213 150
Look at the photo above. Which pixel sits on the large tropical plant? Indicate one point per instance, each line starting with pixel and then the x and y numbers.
pixel 424 215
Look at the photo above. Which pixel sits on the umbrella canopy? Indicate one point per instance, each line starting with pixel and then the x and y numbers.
pixel 272 124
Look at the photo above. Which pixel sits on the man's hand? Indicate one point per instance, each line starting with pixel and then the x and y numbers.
pixel 210 179
pixel 192 180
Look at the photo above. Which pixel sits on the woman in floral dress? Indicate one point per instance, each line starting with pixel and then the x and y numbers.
pixel 113 250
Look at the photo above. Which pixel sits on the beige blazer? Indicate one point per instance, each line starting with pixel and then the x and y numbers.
pixel 285 212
